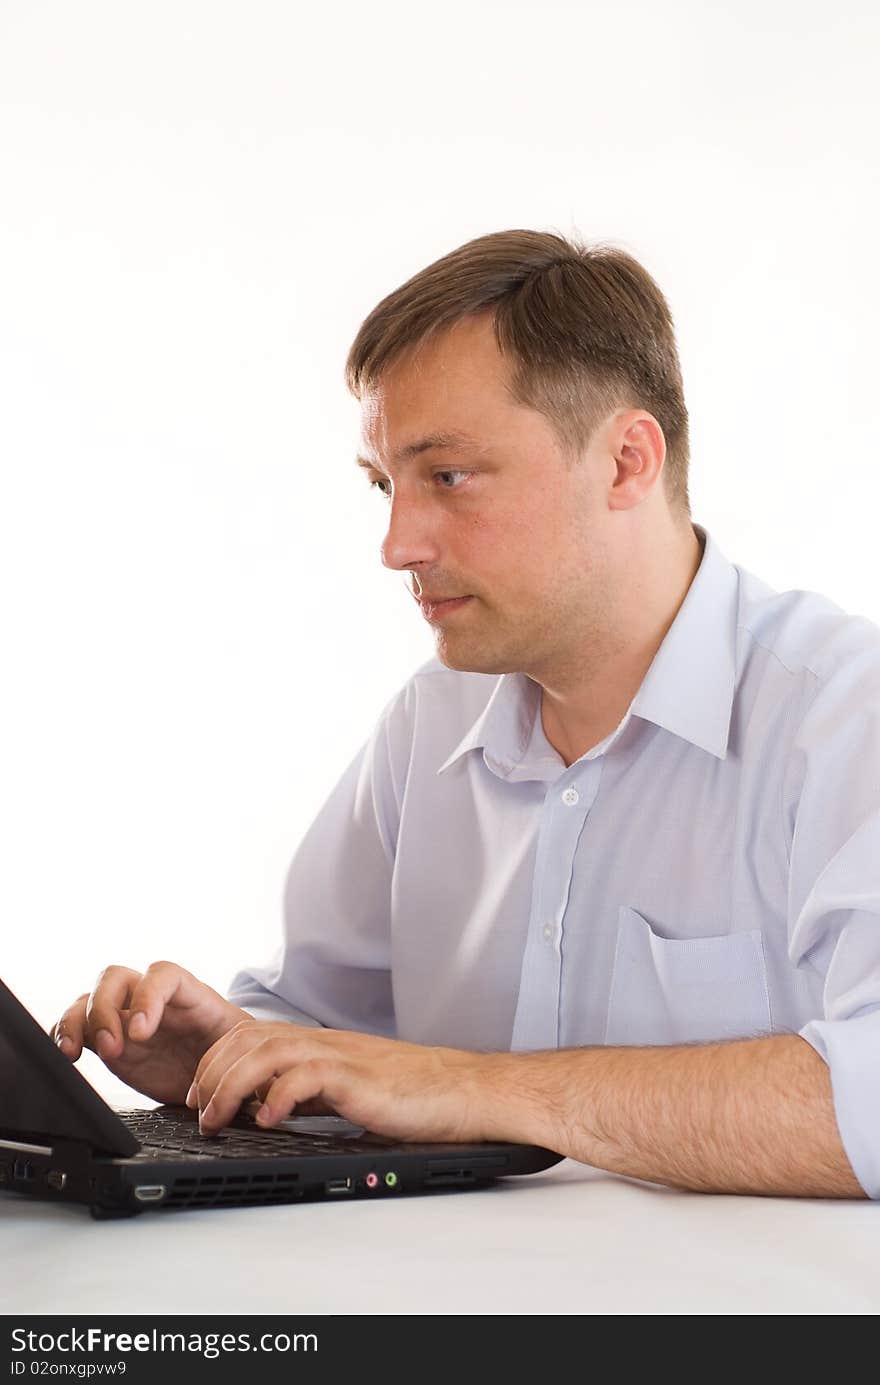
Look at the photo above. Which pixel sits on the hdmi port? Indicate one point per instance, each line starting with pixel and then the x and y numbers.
pixel 150 1192
pixel 339 1185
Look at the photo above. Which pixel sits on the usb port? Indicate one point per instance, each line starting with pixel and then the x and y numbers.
pixel 339 1185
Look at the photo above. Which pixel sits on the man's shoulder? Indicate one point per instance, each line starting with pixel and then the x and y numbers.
pixel 434 709
pixel 809 634
pixel 453 692
pixel 455 679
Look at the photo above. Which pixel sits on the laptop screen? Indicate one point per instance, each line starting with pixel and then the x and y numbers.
pixel 41 1092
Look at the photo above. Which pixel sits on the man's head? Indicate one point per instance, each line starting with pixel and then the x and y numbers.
pixel 547 376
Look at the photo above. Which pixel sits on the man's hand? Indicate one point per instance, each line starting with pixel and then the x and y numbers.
pixel 742 1116
pixel 400 1090
pixel 151 1029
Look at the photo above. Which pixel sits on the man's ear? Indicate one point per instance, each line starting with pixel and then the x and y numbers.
pixel 639 451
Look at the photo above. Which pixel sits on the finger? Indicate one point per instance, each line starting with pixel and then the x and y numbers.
pixel 245 1034
pixel 232 1045
pixel 161 983
pixel 244 1039
pixel 223 1051
pixel 254 1101
pixel 302 1088
pixel 67 1032
pixel 226 1090
pixel 103 1022
pixel 208 1057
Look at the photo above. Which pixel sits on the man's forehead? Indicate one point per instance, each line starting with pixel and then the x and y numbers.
pixel 436 439
pixel 397 426
pixel 445 385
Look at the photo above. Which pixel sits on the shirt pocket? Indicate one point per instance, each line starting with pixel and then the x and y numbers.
pixel 685 990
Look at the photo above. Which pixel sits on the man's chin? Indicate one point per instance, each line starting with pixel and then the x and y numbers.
pixel 464 660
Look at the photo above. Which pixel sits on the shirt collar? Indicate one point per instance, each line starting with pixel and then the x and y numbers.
pixel 688 688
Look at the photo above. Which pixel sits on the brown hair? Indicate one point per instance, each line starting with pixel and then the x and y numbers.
pixel 586 327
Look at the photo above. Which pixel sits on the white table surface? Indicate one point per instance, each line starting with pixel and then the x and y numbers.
pixel 570 1240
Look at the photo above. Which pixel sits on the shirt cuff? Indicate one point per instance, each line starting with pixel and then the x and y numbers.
pixel 279 1013
pixel 851 1048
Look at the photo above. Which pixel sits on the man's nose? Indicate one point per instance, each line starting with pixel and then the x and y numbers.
pixel 411 536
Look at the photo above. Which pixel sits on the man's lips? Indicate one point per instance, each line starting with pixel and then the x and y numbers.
pixel 434 606
pixel 435 598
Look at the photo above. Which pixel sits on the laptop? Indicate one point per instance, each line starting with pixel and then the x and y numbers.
pixel 60 1141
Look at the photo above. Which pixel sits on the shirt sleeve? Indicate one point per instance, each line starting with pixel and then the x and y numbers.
pixel 333 964
pixel 833 807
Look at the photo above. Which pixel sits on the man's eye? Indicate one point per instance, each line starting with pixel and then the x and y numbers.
pixel 380 483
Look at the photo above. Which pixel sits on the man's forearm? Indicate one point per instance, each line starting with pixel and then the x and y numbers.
pixel 747 1116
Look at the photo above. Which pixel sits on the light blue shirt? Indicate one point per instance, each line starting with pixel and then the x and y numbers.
pixel 710 870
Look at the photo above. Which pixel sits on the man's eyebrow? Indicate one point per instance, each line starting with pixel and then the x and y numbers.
pixel 425 444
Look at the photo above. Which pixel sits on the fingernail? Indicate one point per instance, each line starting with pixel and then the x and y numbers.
pixel 137 1024
pixel 208 1113
pixel 103 1041
pixel 62 1040
pixel 191 1095
pixel 263 1114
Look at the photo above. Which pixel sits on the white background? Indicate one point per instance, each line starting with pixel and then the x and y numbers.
pixel 199 203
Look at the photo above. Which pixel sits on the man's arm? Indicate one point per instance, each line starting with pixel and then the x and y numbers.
pixel 748 1116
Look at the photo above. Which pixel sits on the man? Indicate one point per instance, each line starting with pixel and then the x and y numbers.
pixel 606 875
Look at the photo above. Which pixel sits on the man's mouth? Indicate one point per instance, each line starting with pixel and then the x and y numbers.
pixel 435 608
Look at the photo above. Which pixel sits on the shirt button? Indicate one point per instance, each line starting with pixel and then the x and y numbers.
pixel 548 930
pixel 570 795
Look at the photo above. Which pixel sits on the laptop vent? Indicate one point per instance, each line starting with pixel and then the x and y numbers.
pixel 233 1190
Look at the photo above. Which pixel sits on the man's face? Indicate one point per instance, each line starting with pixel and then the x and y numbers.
pixel 501 518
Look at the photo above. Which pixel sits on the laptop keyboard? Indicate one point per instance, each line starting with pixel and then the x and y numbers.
pixel 161 1133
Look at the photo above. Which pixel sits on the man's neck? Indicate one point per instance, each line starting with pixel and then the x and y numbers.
pixel 579 712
